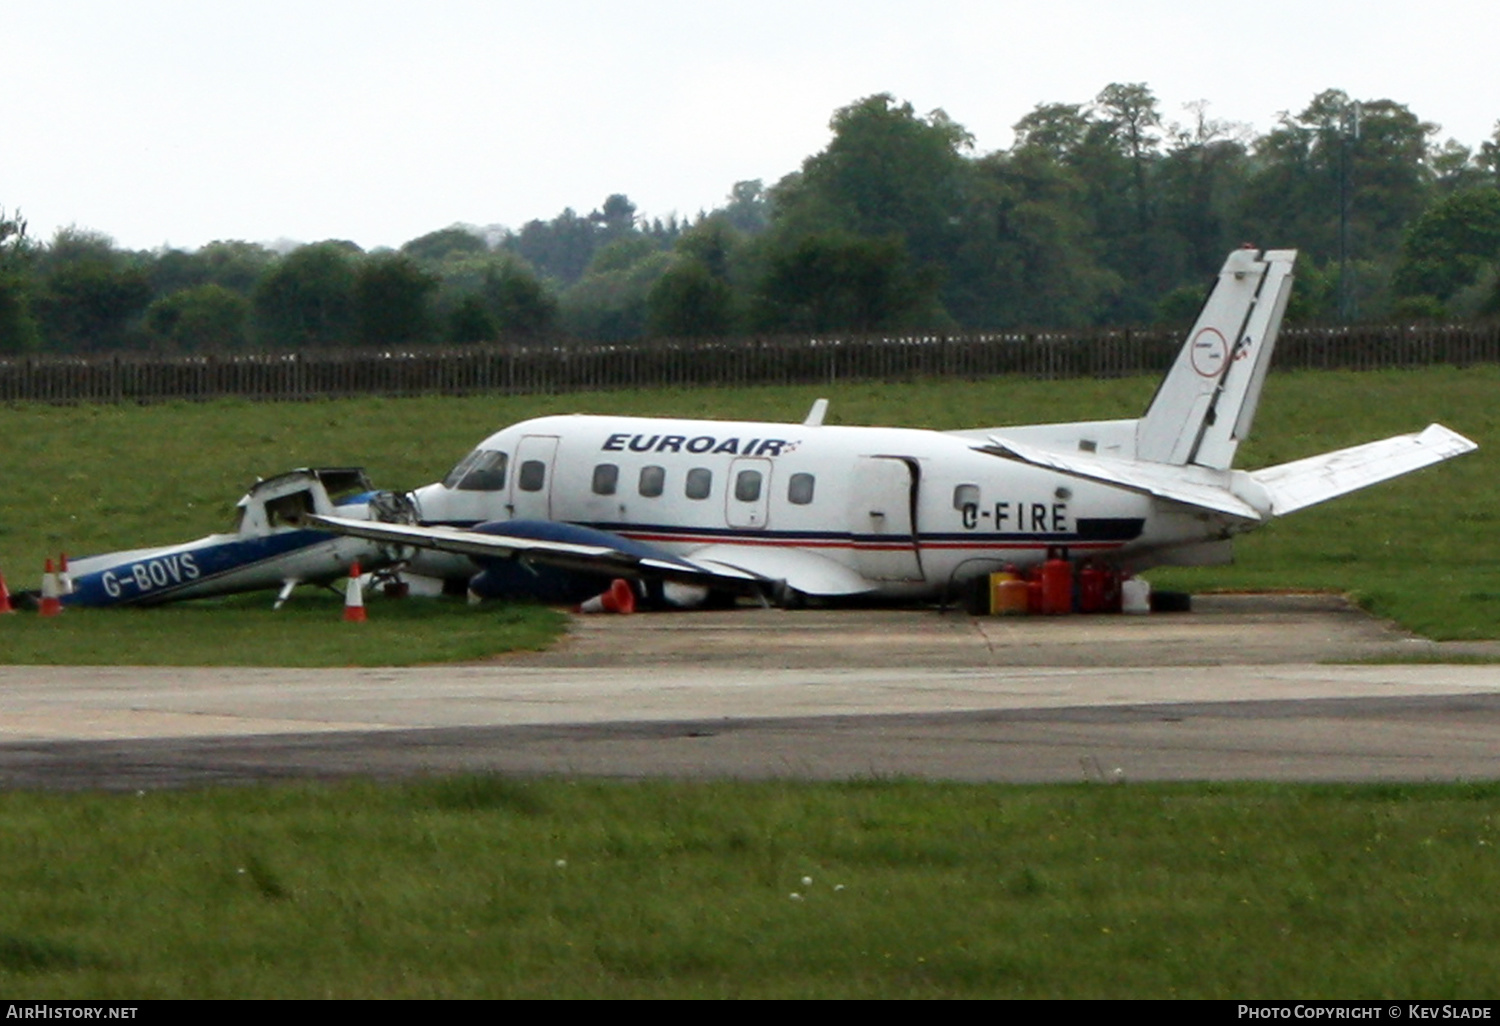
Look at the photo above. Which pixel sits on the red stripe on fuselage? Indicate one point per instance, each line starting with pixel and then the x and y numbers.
pixel 891 546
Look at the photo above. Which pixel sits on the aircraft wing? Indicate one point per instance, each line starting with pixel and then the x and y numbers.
pixel 1302 483
pixel 805 571
pixel 1192 486
pixel 606 554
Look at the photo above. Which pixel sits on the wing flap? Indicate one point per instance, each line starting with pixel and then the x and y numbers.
pixel 1302 483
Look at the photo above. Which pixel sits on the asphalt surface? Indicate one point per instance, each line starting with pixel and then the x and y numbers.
pixel 1244 687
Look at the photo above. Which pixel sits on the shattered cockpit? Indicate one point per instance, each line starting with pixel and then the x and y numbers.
pixel 286 500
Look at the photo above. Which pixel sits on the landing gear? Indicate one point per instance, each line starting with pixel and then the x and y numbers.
pixel 787 597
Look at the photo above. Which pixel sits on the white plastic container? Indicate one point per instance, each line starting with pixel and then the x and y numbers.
pixel 1135 595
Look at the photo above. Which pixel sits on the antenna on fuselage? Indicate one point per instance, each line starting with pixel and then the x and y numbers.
pixel 815 415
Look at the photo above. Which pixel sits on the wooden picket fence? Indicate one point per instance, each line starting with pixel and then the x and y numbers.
pixel 579 367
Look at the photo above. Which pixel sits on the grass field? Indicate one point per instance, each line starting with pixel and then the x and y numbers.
pixel 244 630
pixel 479 887
pixel 483 887
pixel 1423 550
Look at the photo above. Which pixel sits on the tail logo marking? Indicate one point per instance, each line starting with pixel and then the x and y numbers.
pixel 1209 351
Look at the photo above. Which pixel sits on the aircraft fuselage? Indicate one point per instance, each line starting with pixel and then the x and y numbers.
pixel 911 511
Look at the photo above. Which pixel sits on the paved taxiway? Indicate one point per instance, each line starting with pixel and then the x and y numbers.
pixel 1230 691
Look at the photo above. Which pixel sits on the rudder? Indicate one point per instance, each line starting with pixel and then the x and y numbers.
pixel 1207 401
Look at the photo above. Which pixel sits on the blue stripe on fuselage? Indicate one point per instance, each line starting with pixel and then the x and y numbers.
pixel 158 577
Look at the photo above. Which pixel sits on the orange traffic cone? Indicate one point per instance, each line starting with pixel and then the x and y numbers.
pixel 620 598
pixel 64 579
pixel 5 606
pixel 51 604
pixel 354 598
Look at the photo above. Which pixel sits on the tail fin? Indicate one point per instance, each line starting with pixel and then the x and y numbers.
pixel 1207 402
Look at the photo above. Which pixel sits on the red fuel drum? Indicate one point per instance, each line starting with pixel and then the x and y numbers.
pixel 1113 593
pixel 1057 586
pixel 1090 589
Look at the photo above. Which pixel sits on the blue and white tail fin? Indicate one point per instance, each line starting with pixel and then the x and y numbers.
pixel 1206 404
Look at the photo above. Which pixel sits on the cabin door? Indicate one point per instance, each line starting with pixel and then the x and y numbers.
pixel 883 517
pixel 531 480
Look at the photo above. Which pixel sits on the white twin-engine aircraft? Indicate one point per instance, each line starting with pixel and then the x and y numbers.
pixel 556 507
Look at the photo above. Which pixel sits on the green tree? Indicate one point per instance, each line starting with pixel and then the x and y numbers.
pixel 18 331
pixel 238 266
pixel 1116 163
pixel 609 302
pixel 1366 161
pixel 690 301
pixel 616 220
pixel 392 301
pixel 519 302
pixel 749 208
pixel 560 248
pixel 89 294
pixel 1488 157
pixel 206 317
pixel 173 270
pixel 435 247
pixel 1056 130
pixel 1198 184
pixel 1128 112
pixel 1455 168
pixel 1028 258
pixel 886 173
pixel 1392 176
pixel 471 322
pixel 716 244
pixel 307 299
pixel 1450 246
pixel 73 245
pixel 12 234
pixel 838 281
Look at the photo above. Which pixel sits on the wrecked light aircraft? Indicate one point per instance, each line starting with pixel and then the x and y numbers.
pixel 271 546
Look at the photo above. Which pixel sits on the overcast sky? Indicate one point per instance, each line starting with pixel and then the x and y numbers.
pixel 174 123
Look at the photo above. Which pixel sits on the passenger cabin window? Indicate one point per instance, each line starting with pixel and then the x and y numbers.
pixel 799 490
pixel 483 470
pixel 606 479
pixel 747 485
pixel 653 480
pixel 700 481
pixel 966 495
pixel 533 476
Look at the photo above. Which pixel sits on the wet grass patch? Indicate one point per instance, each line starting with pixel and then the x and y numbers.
pixel 483 887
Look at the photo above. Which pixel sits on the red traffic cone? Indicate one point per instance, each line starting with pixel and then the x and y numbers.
pixel 5 606
pixel 620 598
pixel 354 598
pixel 51 604
pixel 64 579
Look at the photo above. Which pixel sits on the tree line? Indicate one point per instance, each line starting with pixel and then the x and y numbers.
pixel 1102 213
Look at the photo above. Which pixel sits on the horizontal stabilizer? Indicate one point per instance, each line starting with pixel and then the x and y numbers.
pixel 1194 486
pixel 1303 483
